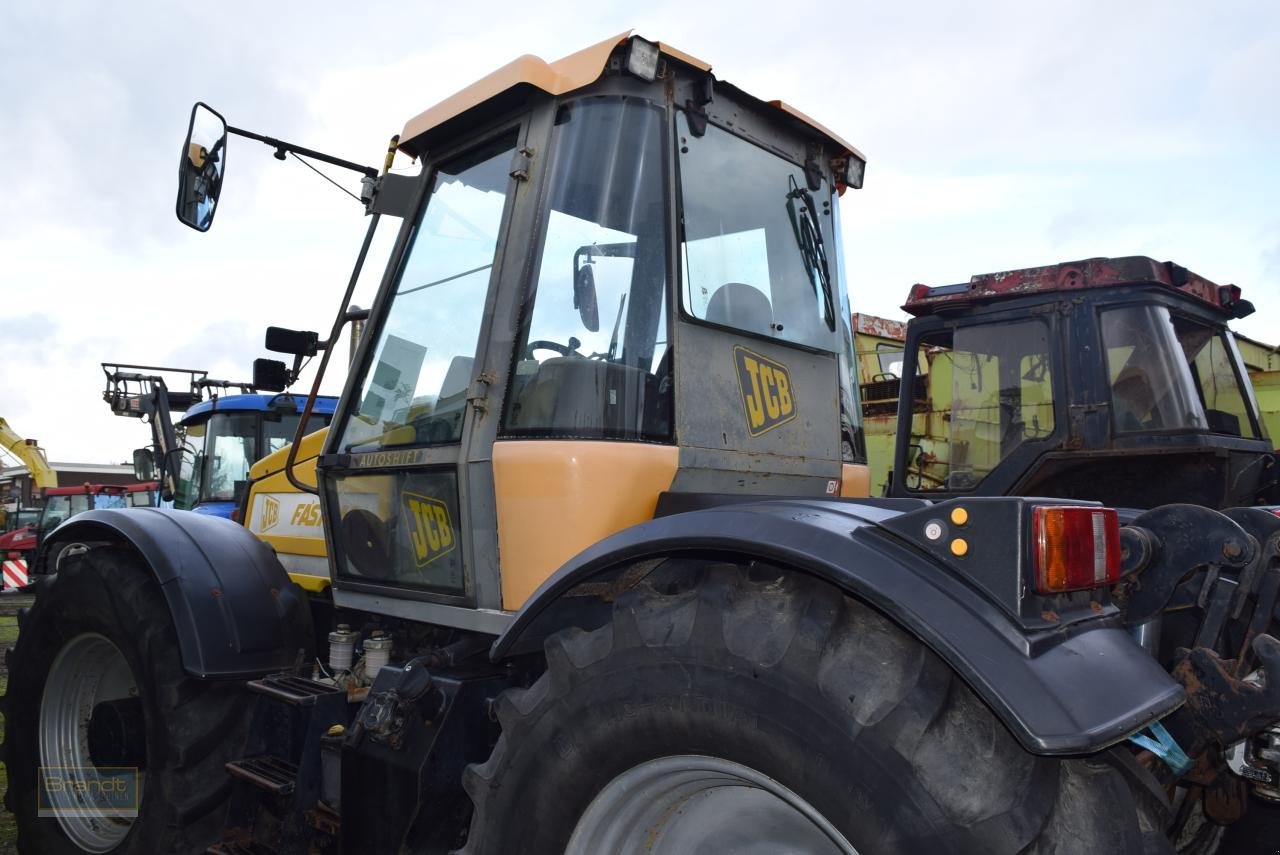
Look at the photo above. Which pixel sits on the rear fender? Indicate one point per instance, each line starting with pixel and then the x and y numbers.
pixel 1060 688
pixel 235 611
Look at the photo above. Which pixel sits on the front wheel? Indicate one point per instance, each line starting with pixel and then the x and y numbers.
pixel 749 709
pixel 97 692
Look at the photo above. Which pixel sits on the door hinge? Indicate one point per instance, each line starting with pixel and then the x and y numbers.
pixel 478 393
pixel 520 164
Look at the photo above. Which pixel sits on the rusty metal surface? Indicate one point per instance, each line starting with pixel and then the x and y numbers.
pixel 1067 277
pixel 1225 709
pixel 864 324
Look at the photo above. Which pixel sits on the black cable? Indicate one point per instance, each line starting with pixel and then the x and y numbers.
pixel 326 177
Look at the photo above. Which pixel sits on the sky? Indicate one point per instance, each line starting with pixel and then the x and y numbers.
pixel 998 135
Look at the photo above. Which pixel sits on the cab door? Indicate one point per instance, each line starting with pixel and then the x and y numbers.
pixel 394 475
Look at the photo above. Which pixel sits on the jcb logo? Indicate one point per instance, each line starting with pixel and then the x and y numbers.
pixel 307 514
pixel 270 513
pixel 430 529
pixel 766 391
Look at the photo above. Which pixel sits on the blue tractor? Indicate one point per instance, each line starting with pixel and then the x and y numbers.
pixel 203 459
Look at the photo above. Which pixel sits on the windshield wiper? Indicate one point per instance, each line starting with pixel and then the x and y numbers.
pixel 809 240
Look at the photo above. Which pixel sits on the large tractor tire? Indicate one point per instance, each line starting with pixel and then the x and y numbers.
pixel 732 709
pixel 96 680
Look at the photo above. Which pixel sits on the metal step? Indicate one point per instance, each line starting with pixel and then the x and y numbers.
pixel 238 847
pixel 267 772
pixel 296 691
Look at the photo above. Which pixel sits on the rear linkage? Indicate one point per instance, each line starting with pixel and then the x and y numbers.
pixel 1186 562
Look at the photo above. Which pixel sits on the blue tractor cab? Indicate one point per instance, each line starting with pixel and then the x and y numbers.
pixel 222 437
pixel 202 459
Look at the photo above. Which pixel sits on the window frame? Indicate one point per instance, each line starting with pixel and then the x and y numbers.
pixel 830 239
pixel 529 283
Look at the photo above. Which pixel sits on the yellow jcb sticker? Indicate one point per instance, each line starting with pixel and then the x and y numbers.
pixel 767 399
pixel 430 529
pixel 270 513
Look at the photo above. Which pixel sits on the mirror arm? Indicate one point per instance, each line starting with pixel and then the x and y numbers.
pixel 338 324
pixel 282 147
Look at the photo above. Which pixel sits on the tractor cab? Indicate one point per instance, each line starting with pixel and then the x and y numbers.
pixel 1108 379
pixel 222 437
pixel 618 277
pixel 203 459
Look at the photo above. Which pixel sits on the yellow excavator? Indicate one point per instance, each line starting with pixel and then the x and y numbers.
pixel 29 453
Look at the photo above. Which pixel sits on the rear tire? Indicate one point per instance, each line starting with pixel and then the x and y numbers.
pixel 99 600
pixel 785 677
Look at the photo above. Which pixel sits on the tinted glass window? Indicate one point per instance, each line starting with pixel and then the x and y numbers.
pixel 415 392
pixel 1217 371
pixel 754 250
pixel 188 488
pixel 230 447
pixel 990 391
pixel 279 431
pixel 592 356
pixel 1151 384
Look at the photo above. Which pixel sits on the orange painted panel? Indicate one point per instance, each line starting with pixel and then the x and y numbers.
pixel 855 481
pixel 556 498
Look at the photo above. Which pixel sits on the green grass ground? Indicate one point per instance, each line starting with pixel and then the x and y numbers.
pixel 8 635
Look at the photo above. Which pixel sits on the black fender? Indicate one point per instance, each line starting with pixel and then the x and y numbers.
pixel 235 610
pixel 1060 689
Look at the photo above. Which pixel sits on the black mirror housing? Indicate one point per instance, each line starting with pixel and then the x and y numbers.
pixel 200 167
pixel 584 297
pixel 144 465
pixel 294 342
pixel 270 375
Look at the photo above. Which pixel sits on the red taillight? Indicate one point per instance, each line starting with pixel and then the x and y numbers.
pixel 1075 548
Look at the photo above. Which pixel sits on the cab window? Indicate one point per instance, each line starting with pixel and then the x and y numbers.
pixel 592 358
pixel 415 392
pixel 754 240
pixel 990 391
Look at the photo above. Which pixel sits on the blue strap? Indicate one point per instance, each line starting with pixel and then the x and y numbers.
pixel 1163 746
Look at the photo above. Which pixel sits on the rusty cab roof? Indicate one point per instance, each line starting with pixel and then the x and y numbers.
pixel 1075 276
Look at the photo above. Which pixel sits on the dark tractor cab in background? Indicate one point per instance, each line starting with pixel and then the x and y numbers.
pixel 1110 379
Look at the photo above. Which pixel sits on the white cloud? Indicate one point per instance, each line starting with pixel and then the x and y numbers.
pixel 1000 135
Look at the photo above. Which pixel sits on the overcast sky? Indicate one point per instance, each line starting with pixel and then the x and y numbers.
pixel 998 135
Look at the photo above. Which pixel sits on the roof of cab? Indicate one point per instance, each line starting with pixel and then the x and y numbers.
pixel 556 78
pixel 325 405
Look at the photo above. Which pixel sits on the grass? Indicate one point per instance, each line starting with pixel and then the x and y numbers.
pixel 8 636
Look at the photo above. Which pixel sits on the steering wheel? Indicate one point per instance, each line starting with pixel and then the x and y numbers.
pixel 570 349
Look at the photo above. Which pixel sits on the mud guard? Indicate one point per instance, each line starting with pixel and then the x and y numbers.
pixel 235 611
pixel 1072 689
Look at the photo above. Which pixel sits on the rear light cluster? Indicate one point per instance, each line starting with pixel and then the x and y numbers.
pixel 1075 548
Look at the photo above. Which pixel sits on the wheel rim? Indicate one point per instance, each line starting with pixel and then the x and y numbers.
pixel 88 670
pixel 695 804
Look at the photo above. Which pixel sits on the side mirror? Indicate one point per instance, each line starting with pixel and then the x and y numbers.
pixel 270 375
pixel 204 155
pixel 584 297
pixel 295 342
pixel 144 465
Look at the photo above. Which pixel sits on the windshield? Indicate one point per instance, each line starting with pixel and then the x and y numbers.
pixel 754 249
pixel 416 392
pixel 229 452
pixel 1172 373
pixel 217 452
pixel 59 508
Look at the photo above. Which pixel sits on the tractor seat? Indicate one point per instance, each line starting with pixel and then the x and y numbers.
pixel 743 307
